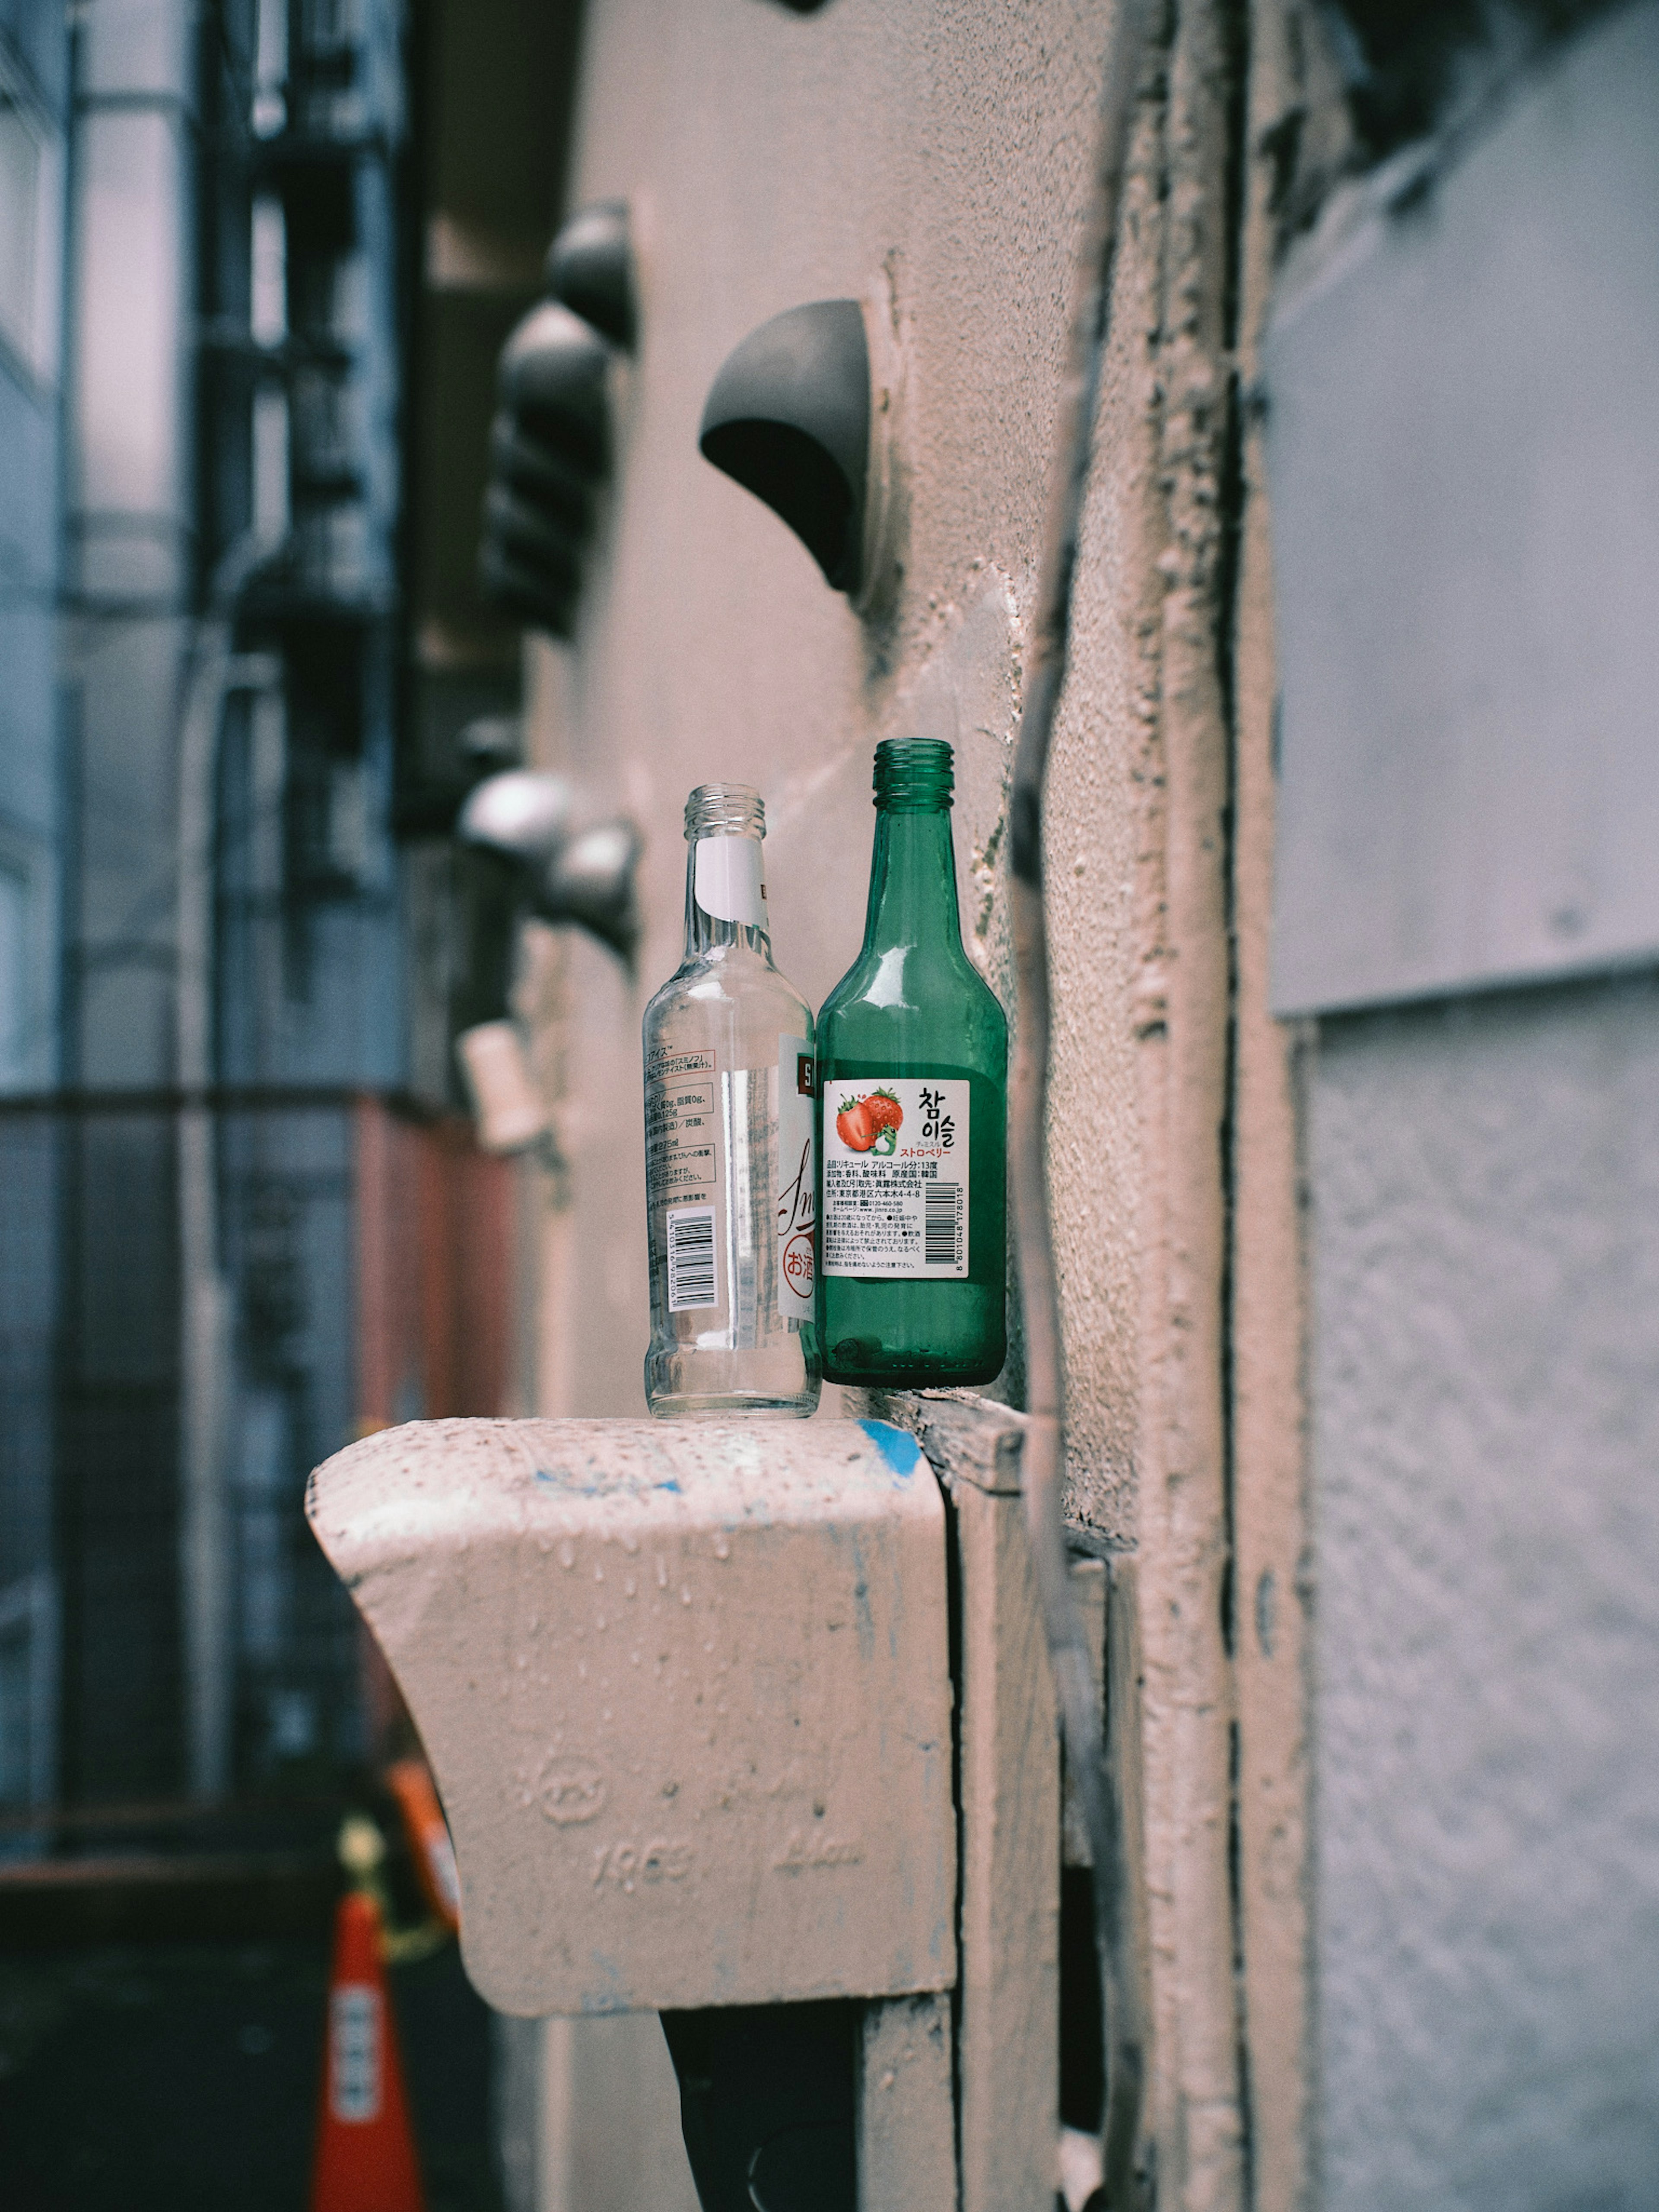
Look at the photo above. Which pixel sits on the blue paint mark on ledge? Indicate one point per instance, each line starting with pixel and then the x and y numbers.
pixel 603 1486
pixel 897 1446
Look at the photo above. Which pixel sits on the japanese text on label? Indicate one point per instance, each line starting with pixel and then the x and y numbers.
pixel 896 1181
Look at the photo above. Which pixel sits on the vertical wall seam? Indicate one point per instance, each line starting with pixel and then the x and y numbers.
pixel 1189 1676
pixel 1267 1256
pixel 1235 40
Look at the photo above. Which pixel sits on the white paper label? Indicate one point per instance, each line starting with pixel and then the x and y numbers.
pixel 728 880
pixel 798 1180
pixel 681 1171
pixel 731 1165
pixel 896 1177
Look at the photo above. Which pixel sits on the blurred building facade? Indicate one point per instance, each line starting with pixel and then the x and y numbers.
pixel 238 1215
pixel 33 130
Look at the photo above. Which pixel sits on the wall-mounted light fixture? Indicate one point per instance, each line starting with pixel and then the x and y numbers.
pixel 805 415
pixel 550 446
pixel 534 856
pixel 568 872
pixel 590 266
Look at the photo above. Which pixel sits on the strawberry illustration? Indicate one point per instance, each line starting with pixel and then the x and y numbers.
pixel 884 1110
pixel 855 1126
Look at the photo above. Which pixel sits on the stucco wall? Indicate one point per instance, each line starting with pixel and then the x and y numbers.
pixel 1479 1372
pixel 769 159
pixel 1486 1386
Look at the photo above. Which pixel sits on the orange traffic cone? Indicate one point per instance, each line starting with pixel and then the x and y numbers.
pixel 410 1781
pixel 365 2150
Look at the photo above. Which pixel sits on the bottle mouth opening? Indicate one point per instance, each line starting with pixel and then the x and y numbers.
pixel 725 810
pixel 913 774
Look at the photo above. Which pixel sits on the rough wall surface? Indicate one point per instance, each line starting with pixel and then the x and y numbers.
pixel 1485 1382
pixel 770 159
pixel 1267 1254
pixel 942 149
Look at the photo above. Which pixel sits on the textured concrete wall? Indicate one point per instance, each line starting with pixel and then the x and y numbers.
pixel 942 149
pixel 1485 1386
pixel 769 159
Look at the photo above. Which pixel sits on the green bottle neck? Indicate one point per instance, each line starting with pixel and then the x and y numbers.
pixel 912 885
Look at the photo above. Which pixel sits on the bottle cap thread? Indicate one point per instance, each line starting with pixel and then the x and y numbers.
pixel 725 810
pixel 914 775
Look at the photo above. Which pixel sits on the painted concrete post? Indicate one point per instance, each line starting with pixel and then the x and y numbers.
pixel 687 1692
pixel 1008 2035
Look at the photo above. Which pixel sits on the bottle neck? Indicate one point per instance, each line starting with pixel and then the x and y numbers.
pixel 725 901
pixel 912 882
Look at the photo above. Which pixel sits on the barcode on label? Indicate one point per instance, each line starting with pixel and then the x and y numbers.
pixel 942 1225
pixel 690 1257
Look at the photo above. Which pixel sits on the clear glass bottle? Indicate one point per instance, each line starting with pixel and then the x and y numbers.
pixel 913 1083
pixel 730 1170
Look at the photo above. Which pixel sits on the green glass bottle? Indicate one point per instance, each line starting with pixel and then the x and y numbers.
pixel 913 1082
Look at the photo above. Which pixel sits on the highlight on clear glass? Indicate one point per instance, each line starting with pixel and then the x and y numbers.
pixel 731 1161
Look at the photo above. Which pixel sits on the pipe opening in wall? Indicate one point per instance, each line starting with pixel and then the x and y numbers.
pixel 795 476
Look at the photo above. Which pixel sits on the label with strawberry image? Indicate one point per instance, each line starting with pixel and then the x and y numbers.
pixel 895 1176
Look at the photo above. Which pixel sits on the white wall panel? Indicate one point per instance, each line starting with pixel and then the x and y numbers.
pixel 1465 482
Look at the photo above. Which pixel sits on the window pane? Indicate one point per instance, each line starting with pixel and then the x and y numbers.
pixel 20 189
pixel 13 978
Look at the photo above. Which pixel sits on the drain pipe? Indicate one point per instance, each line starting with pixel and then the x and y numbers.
pixel 1044 1455
pixel 204 1298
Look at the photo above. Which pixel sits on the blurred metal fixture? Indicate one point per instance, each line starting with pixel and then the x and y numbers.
pixel 549 451
pixel 590 266
pixel 551 444
pixel 804 414
pixel 507 1111
pixel 590 881
pixel 584 876
pixel 492 741
pixel 522 812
